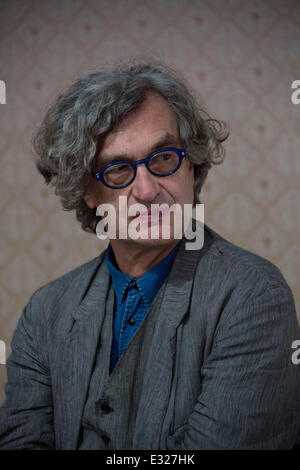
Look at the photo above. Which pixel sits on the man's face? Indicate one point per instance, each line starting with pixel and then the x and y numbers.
pixel 149 128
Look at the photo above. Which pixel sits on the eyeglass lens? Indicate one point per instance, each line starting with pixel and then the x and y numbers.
pixel 160 164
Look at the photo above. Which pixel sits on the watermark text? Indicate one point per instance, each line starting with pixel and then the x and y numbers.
pixel 2 352
pixel 296 354
pixel 155 222
pixel 295 97
pixel 2 92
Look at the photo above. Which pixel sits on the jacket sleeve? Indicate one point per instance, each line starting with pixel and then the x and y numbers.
pixel 250 386
pixel 26 417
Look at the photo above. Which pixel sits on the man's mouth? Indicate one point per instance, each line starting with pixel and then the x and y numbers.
pixel 151 215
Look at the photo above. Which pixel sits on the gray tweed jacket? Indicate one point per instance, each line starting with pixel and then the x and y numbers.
pixel 218 372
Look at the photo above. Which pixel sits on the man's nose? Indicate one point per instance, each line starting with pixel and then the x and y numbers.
pixel 145 186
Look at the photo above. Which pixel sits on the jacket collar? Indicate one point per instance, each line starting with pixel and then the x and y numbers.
pixel 148 284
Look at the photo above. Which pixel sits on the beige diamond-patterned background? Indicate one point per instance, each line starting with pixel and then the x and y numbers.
pixel 240 57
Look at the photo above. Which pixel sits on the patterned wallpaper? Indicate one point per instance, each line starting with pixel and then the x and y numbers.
pixel 240 56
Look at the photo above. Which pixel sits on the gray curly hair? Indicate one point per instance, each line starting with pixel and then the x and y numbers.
pixel 69 140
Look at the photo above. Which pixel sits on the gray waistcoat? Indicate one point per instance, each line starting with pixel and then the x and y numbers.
pixel 113 400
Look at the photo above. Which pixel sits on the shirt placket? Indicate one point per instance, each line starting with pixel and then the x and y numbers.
pixel 132 301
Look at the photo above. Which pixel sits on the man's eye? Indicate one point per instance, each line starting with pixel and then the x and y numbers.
pixel 119 168
pixel 164 156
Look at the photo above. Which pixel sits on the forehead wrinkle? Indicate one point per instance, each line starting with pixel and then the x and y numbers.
pixel 167 140
pixel 154 115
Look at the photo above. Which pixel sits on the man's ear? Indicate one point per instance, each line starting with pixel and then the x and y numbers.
pixel 90 199
pixel 191 168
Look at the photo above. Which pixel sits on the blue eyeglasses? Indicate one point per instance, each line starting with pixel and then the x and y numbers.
pixel 161 163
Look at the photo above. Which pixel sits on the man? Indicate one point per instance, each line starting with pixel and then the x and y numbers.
pixel 150 345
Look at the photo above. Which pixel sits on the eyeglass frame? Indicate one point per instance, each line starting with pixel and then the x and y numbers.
pixel 98 175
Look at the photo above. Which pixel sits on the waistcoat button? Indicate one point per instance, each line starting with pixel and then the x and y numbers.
pixel 105 438
pixel 106 408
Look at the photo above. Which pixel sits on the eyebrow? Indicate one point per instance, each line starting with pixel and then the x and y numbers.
pixel 165 141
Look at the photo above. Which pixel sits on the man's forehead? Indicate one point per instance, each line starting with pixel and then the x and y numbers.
pixel 154 105
pixel 165 141
pixel 153 124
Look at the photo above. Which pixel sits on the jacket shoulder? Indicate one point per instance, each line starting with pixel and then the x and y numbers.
pixel 232 282
pixel 239 264
pixel 73 283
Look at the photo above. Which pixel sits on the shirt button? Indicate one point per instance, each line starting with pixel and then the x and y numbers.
pixel 132 321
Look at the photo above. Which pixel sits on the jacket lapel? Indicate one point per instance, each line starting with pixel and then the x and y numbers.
pixel 159 371
pixel 79 352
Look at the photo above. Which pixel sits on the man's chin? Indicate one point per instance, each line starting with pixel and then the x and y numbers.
pixel 156 235
pixel 148 242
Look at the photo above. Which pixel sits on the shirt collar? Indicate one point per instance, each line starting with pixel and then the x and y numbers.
pixel 149 284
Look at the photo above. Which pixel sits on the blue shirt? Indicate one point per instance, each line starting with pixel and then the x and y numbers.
pixel 133 299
